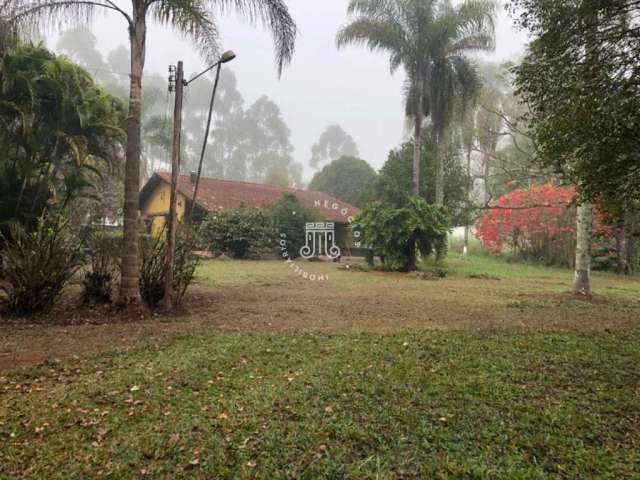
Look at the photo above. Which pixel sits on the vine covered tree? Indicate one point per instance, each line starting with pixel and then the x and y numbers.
pixel 194 18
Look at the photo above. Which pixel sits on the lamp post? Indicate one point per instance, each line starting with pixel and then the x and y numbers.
pixel 225 58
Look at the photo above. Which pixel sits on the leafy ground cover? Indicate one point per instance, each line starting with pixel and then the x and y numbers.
pixel 316 405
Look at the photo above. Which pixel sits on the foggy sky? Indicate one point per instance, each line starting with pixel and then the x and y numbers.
pixel 351 87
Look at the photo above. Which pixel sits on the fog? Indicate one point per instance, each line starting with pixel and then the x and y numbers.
pixel 351 87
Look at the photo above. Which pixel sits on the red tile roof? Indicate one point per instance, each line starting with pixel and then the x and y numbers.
pixel 220 194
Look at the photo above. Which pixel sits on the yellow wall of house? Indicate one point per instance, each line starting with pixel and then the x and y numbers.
pixel 157 208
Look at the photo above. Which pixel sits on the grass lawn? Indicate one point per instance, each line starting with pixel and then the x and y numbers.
pixel 493 372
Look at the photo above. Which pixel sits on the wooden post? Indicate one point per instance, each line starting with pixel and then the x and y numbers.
pixel 172 221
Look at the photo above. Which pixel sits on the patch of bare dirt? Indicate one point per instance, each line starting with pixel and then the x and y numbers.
pixel 349 302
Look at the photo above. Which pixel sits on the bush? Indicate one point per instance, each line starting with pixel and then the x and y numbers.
pixel 101 278
pixel 289 217
pixel 239 233
pixel 538 224
pixel 152 253
pixel 395 234
pixel 37 264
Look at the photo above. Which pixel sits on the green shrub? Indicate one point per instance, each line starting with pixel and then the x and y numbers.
pixel 38 263
pixel 396 234
pixel 104 256
pixel 289 217
pixel 186 262
pixel 434 267
pixel 241 233
pixel 152 253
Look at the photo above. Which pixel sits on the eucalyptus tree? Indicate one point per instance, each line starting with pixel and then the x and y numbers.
pixel 193 18
pixel 264 145
pixel 429 40
pixel 333 144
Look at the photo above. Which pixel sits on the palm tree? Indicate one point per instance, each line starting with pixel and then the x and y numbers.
pixel 428 38
pixel 194 18
pixel 452 80
pixel 398 28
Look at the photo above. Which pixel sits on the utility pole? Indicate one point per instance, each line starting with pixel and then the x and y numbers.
pixel 172 221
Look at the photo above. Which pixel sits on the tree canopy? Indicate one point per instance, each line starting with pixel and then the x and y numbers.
pixel 332 144
pixel 580 81
pixel 344 179
pixel 393 185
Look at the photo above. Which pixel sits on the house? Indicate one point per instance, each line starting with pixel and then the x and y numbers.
pixel 216 194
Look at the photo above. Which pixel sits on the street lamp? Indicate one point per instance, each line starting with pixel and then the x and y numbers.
pixel 225 58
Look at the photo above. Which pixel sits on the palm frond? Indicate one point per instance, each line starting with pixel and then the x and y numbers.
pixel 373 8
pixel 275 16
pixel 478 42
pixel 377 35
pixel 27 17
pixel 475 20
pixel 469 83
pixel 192 19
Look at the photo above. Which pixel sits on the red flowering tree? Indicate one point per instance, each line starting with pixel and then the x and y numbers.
pixel 538 223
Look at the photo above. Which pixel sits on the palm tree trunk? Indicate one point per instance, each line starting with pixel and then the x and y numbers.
pixel 440 155
pixel 417 149
pixel 129 287
pixel 467 194
pixel 584 221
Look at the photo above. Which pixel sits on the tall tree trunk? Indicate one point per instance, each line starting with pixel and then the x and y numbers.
pixel 486 171
pixel 467 220
pixel 129 286
pixel 622 250
pixel 631 235
pixel 584 225
pixel 417 146
pixel 440 156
